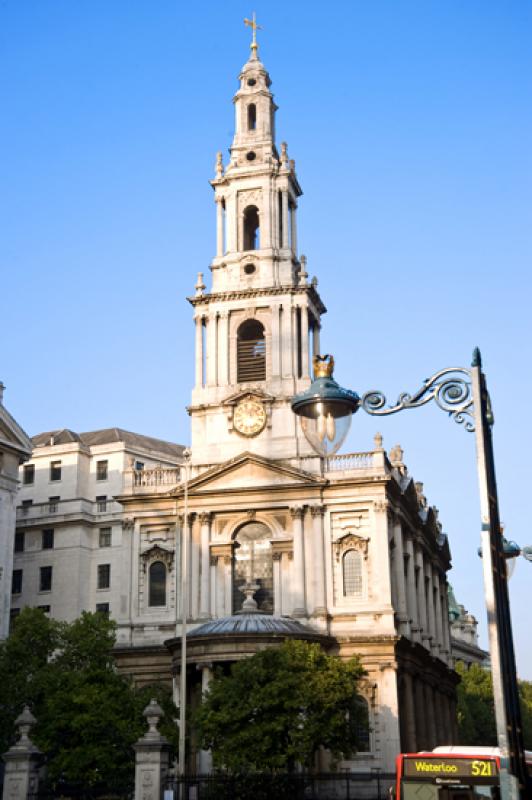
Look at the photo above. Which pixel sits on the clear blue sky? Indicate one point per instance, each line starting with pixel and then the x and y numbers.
pixel 410 122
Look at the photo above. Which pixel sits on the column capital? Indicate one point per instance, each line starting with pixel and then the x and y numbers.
pixel 296 512
pixel 317 511
pixel 205 517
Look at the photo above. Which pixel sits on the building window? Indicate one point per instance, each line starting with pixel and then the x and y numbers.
pixel 105 537
pixel 139 465
pixel 26 505
pixel 28 474
pixel 16 581
pixel 101 502
pixel 48 539
pixel 251 352
pixel 44 609
pixel 53 504
pixel 104 576
pixel 55 470
pixel 101 470
pixel 352 574
pixel 253 564
pixel 45 581
pixel 362 726
pixel 19 541
pixel 157 595
pixel 102 608
pixel 251 228
pixel 252 117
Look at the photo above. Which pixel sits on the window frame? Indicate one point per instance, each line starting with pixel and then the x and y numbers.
pixel 103 580
pixel 46 575
pixel 17 577
pixel 105 532
pixel 153 564
pixel 47 539
pixel 28 469
pixel 20 536
pixel 56 471
pixel 102 466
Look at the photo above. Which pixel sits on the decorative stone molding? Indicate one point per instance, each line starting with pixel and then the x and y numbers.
pixel 224 551
pixel 350 541
pixel 380 505
pixel 213 561
pixel 157 553
pixel 251 514
pixel 205 517
pixel 296 512
pixel 280 546
pixel 128 523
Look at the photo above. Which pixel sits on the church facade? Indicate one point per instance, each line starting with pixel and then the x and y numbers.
pixel 345 551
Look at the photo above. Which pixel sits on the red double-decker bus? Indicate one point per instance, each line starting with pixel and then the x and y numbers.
pixel 450 773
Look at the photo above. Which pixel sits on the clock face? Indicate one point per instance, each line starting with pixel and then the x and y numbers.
pixel 249 417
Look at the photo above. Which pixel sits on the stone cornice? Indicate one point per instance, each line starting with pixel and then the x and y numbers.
pixel 247 294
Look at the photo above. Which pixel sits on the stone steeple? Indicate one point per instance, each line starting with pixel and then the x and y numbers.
pixel 257 326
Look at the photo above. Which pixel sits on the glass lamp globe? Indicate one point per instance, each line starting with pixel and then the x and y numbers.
pixel 325 409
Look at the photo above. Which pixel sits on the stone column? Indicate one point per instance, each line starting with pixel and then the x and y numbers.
pixel 299 609
pixel 411 597
pixel 430 716
pixel 420 711
pixel 219 227
pixel 199 350
pixel 316 339
pixel 445 619
pixel 228 583
pixel 410 746
pixel 399 578
pixel 277 585
pixel 205 562
pixel 437 614
pixel 286 341
pixel 223 348
pixel 317 513
pixel 293 229
pixel 430 608
pixel 205 756
pixel 285 219
pixel 194 568
pixel 212 355
pixel 152 757
pixel 214 585
pixel 23 762
pixel 304 341
pixel 276 341
pixel 421 600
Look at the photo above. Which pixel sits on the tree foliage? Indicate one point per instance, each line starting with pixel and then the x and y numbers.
pixel 278 707
pixel 88 715
pixel 476 713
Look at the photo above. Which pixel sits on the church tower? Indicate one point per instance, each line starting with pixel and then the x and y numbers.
pixel 258 326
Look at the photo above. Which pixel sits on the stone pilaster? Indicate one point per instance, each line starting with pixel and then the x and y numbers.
pixel 317 513
pixel 205 519
pixel 299 604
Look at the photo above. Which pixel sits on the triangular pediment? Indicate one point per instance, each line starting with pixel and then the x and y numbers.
pixel 12 436
pixel 250 471
pixel 233 399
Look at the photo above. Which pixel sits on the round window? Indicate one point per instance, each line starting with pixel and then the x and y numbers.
pixel 251 156
pixel 251 81
pixel 249 269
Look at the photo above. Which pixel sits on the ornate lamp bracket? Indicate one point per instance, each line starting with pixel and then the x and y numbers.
pixel 450 388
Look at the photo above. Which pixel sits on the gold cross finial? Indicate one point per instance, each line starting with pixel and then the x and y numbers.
pixel 252 23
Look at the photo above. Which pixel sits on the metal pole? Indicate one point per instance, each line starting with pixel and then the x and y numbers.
pixel 513 773
pixel 184 615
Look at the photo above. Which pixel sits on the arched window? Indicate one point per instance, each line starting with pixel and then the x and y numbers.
pixel 251 228
pixel 352 573
pixel 157 577
pixel 252 117
pixel 251 352
pixel 361 725
pixel 253 564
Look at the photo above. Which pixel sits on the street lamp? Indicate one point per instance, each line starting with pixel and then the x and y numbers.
pixel 463 394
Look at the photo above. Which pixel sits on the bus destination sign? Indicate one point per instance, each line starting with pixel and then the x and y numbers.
pixel 475 769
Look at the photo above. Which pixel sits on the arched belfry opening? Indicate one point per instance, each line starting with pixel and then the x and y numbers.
pixel 253 565
pixel 251 352
pixel 251 228
pixel 252 117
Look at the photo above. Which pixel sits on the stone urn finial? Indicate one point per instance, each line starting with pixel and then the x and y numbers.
pixel 153 713
pixel 250 604
pixel 24 723
pixel 377 439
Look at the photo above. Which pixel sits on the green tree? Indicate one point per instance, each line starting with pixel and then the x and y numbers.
pixel 476 712
pixel 278 707
pixel 88 715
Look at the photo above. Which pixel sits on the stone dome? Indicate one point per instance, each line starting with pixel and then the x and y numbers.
pixel 254 623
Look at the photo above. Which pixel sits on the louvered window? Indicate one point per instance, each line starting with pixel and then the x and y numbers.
pixel 352 574
pixel 251 352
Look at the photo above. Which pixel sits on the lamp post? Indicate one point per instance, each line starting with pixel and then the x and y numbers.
pixel 183 594
pixel 326 409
